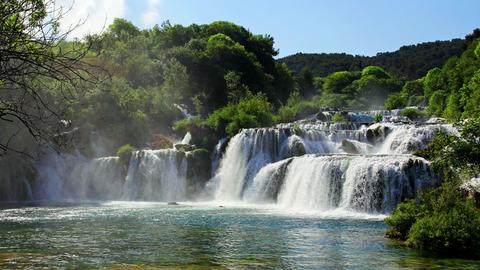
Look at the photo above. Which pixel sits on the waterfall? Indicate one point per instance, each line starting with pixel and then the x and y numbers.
pixel 323 166
pixel 156 175
pixel 310 164
pixel 373 184
pixel 152 175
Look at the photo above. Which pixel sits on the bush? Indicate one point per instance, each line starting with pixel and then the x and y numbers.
pixel 300 110
pixel 124 153
pixel 395 101
pixel 402 219
pixel 339 118
pixel 442 221
pixel 378 118
pixel 251 111
pixel 412 113
pixel 185 124
pixel 456 232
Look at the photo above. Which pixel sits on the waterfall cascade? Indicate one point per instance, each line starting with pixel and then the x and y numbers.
pixel 151 175
pixel 320 165
pixel 311 164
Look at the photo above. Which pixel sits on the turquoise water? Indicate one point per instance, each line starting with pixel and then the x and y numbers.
pixel 154 235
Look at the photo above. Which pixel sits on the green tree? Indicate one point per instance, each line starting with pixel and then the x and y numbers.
pixel 38 72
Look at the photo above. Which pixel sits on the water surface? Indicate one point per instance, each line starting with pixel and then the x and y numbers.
pixel 153 235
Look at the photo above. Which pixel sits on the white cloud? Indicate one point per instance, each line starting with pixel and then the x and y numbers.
pixel 94 15
pixel 151 15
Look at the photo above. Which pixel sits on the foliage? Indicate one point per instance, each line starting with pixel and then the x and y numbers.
pixel 38 73
pixel 402 219
pixel 250 111
pixel 358 90
pixel 152 72
pixel 411 61
pixel 455 157
pixel 378 118
pixel 456 232
pixel 339 118
pixel 297 108
pixel 442 220
pixel 453 90
pixel 124 152
pixel 412 113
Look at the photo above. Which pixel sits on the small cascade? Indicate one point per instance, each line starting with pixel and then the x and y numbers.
pixel 156 175
pixel 187 138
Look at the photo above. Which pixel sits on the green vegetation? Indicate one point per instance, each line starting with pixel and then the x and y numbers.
pixel 443 220
pixel 412 113
pixel 124 153
pixel 452 91
pixel 250 111
pixel 339 118
pixel 411 61
pixel 220 71
pixel 378 118
pixel 358 90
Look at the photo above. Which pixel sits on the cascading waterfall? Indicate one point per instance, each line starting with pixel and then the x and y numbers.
pixel 311 164
pixel 323 165
pixel 152 175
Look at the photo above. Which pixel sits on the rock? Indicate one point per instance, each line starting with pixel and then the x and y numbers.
pixel 295 146
pixel 161 142
pixel 436 120
pixel 324 117
pixel 471 189
pixel 349 147
pixel 172 203
pixel 377 134
pixel 184 147
pixel 199 166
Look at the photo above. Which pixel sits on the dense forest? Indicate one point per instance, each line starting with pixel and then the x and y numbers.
pixel 411 62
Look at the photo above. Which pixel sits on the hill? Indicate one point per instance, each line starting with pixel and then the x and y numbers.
pixel 411 62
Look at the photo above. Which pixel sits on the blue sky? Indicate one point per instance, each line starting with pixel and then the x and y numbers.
pixel 353 26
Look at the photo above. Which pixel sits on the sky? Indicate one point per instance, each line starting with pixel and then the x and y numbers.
pixel 362 27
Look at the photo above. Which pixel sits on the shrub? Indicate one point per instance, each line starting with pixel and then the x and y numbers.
pixel 442 221
pixel 124 152
pixel 395 101
pixel 339 118
pixel 453 232
pixel 402 219
pixel 378 118
pixel 412 113
pixel 185 124
pixel 251 111
pixel 297 111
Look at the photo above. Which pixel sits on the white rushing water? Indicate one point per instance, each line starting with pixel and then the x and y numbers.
pixel 151 175
pixel 377 154
pixel 359 166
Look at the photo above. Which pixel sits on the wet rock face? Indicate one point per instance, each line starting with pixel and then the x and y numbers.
pixel 349 147
pixel 296 147
pixel 184 147
pixel 377 134
pixel 161 142
pixel 198 169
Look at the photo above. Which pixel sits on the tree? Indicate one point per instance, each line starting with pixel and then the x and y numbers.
pixel 36 69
